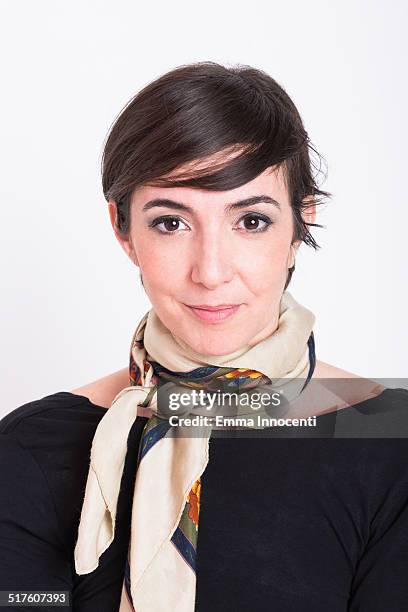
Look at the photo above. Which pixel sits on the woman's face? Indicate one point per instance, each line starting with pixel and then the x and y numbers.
pixel 214 264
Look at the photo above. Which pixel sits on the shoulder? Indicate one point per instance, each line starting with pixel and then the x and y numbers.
pixel 328 370
pixel 382 416
pixel 332 388
pixel 103 390
pixel 54 421
pixel 355 406
pixel 352 387
pixel 51 411
pixel 45 449
pixel 56 431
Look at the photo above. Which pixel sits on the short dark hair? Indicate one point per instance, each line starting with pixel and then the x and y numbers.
pixel 202 109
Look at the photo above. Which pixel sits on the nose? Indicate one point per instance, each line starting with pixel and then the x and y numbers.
pixel 213 260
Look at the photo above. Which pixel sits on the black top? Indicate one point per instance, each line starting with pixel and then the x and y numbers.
pixel 286 524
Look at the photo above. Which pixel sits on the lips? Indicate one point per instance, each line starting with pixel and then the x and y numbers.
pixel 213 308
pixel 213 314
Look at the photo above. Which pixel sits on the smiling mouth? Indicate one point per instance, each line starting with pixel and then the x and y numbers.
pixel 213 314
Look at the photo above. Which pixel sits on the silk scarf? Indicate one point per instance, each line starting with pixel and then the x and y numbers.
pixel 160 565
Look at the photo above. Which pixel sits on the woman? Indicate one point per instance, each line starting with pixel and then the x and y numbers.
pixel 208 177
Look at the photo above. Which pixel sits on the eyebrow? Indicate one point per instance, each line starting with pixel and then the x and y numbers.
pixel 167 203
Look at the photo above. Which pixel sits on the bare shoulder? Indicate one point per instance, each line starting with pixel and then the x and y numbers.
pixel 327 370
pixel 347 386
pixel 103 390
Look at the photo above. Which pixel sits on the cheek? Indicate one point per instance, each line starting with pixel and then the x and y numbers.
pixel 162 267
pixel 266 266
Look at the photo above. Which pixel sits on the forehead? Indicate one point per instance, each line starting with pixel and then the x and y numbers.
pixel 271 182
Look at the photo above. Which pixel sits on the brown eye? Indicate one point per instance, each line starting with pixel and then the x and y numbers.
pixel 171 224
pixel 167 224
pixel 251 223
pixel 255 222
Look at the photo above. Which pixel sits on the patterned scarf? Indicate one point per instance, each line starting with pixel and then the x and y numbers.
pixel 160 566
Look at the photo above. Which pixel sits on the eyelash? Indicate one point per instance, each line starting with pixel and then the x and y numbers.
pixel 156 222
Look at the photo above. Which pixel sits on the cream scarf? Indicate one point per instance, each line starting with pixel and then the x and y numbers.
pixel 160 579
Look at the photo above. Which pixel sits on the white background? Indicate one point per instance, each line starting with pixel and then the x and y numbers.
pixel 70 297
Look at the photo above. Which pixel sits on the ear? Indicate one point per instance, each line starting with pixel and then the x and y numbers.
pixel 309 213
pixel 292 253
pixel 124 241
pixel 309 216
